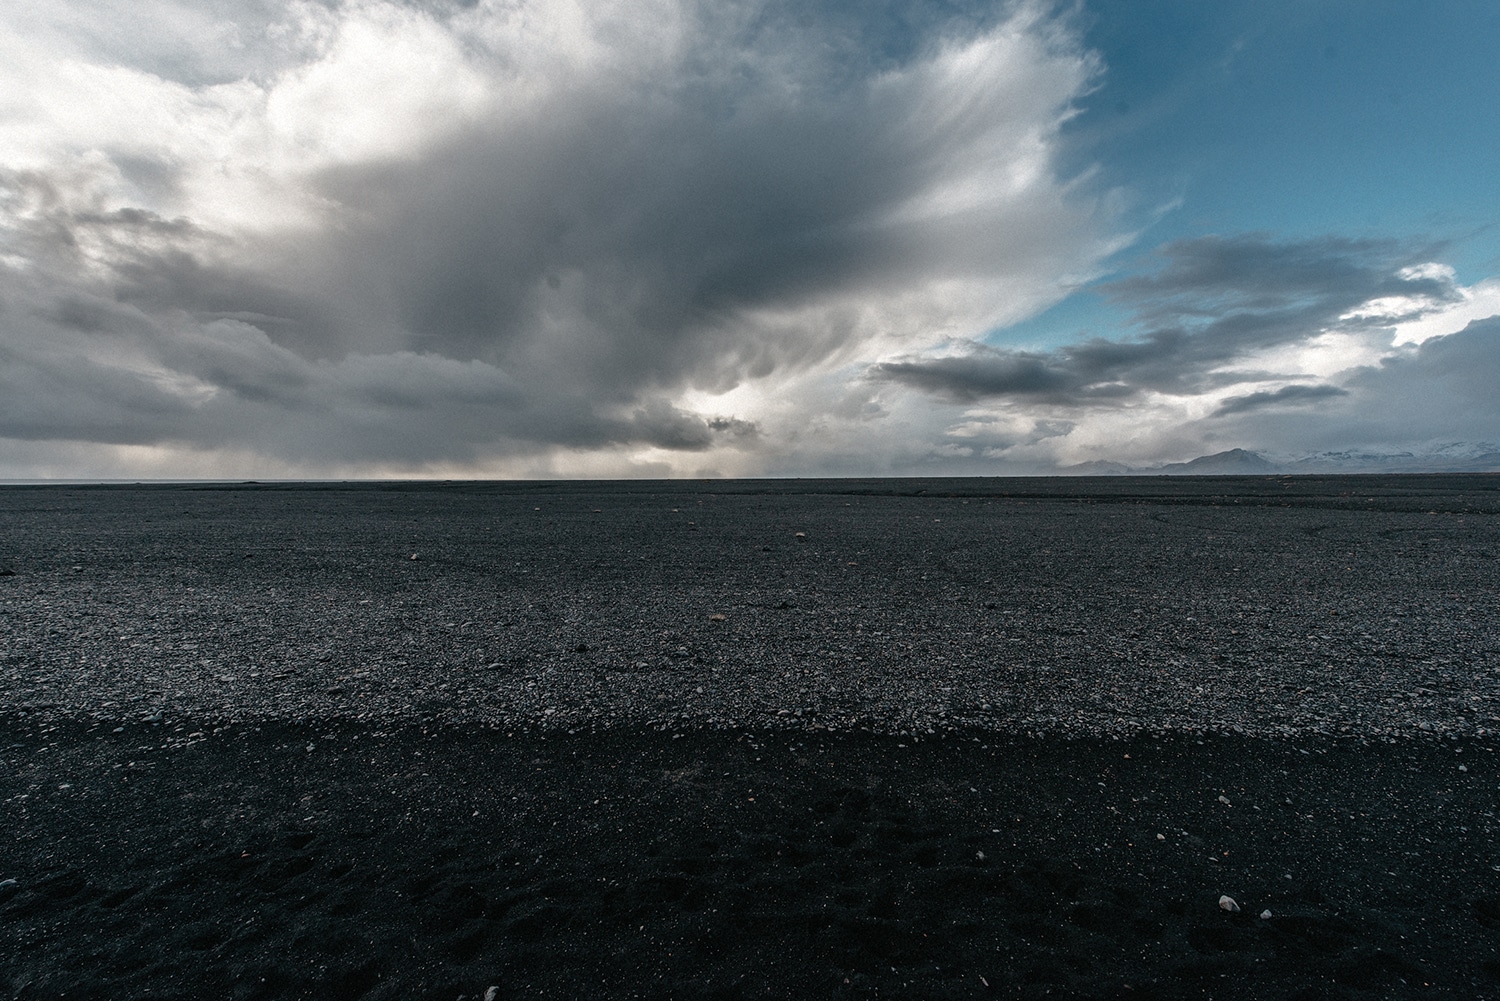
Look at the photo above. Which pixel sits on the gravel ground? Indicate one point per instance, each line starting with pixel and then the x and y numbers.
pixel 1280 606
pixel 844 739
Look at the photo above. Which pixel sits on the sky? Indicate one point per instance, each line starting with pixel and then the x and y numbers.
pixel 649 238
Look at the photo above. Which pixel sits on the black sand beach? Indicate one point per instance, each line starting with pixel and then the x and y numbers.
pixel 938 738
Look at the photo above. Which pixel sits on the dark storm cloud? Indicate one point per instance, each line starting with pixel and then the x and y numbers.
pixel 1286 395
pixel 665 426
pixel 95 358
pixel 1254 275
pixel 645 201
pixel 984 372
pixel 1213 301
pixel 630 236
pixel 128 264
pixel 225 384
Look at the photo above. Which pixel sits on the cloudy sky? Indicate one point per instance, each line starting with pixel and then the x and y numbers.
pixel 312 238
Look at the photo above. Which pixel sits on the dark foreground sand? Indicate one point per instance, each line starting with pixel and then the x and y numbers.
pixel 958 739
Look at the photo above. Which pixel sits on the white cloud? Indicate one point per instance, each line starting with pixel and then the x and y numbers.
pixel 365 82
pixel 1479 301
pixel 387 81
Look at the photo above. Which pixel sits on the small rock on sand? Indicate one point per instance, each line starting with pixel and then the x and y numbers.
pixel 1226 903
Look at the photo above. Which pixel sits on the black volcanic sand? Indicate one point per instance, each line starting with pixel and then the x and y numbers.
pixel 960 739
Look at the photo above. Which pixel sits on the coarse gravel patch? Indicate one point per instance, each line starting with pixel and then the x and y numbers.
pixel 1274 606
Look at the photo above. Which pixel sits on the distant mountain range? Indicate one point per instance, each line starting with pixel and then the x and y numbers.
pixel 1449 457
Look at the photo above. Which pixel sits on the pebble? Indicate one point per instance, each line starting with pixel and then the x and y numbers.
pixel 1225 801
pixel 1226 903
pixel 1265 915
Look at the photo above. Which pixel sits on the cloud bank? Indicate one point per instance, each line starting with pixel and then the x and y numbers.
pixel 664 237
pixel 512 237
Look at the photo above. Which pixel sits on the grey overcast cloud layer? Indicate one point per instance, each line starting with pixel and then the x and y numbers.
pixel 648 238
